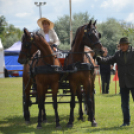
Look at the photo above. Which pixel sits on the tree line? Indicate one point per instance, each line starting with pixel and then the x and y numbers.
pixel 9 34
pixel 111 31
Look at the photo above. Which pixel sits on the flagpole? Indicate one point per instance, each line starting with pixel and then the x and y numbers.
pixel 71 34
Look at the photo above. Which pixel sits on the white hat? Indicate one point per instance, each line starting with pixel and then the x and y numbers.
pixel 39 22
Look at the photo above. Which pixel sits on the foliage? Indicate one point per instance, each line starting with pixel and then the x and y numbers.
pixel 128 31
pixel 62 26
pixel 111 34
pixel 64 46
pixel 111 30
pixel 9 33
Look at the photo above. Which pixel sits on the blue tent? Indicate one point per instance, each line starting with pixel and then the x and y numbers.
pixel 11 58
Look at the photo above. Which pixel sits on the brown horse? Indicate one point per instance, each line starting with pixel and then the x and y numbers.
pixel 30 44
pixel 85 36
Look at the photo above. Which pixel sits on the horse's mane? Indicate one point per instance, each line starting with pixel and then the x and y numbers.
pixel 39 35
pixel 77 31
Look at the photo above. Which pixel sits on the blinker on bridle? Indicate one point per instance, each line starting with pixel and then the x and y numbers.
pixel 98 35
pixel 28 46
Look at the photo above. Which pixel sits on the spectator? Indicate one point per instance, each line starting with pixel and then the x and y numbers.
pixel 105 72
pixel 124 59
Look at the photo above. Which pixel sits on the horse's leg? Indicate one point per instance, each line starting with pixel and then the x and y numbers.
pixel 72 104
pixel 93 103
pixel 79 95
pixel 44 111
pixel 27 103
pixel 40 92
pixel 88 95
pixel 54 87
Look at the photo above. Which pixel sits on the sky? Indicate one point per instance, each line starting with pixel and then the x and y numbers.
pixel 24 13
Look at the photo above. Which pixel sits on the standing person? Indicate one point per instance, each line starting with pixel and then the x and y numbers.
pixel 105 72
pixel 48 32
pixel 125 62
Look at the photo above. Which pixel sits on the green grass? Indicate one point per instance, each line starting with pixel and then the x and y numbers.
pixel 108 113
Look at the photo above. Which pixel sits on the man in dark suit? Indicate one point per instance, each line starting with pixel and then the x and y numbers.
pixel 105 70
pixel 125 61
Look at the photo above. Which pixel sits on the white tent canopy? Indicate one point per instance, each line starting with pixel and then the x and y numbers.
pixel 2 61
pixel 15 48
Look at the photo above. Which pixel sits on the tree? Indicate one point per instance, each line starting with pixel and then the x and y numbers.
pixel 3 23
pixel 62 26
pixel 128 31
pixel 111 32
pixel 8 33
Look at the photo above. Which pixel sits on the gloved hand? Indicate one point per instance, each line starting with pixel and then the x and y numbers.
pixel 98 58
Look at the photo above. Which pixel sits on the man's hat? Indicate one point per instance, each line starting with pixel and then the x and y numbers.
pixel 124 40
pixel 39 22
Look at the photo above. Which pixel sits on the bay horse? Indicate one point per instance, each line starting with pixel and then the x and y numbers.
pixel 31 42
pixel 86 35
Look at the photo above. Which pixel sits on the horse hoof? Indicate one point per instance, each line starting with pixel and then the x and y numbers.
pixel 27 122
pixel 94 124
pixel 58 127
pixel 39 126
pixel 89 119
pixel 45 121
pixel 80 118
pixel 69 125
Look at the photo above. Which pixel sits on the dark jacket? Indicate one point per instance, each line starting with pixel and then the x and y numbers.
pixel 105 68
pixel 125 70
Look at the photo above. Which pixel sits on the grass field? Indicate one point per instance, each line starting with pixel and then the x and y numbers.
pixel 108 113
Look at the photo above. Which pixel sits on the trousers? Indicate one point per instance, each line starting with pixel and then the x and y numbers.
pixel 125 103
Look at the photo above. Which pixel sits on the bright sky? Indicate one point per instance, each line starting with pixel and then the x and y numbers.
pixel 24 13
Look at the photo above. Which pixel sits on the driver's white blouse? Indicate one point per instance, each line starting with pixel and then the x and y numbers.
pixel 50 37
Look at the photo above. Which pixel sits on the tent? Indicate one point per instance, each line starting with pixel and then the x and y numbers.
pixel 2 62
pixel 11 58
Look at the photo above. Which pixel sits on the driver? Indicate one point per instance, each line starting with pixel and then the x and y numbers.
pixel 48 32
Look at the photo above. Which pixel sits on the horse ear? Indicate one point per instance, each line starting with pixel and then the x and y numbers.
pixel 25 31
pixel 99 35
pixel 94 22
pixel 89 24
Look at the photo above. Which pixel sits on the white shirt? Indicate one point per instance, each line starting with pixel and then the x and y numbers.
pixel 47 37
pixel 50 37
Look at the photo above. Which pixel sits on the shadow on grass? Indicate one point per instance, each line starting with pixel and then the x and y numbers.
pixel 106 129
pixel 111 95
pixel 16 125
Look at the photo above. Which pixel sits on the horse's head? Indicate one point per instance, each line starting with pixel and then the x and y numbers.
pixel 28 47
pixel 91 37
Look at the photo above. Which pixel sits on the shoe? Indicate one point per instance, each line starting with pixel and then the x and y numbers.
pixel 124 124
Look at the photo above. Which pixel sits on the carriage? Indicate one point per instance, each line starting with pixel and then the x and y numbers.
pixel 68 73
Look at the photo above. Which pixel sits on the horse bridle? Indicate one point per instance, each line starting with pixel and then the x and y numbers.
pixel 27 45
pixel 90 33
